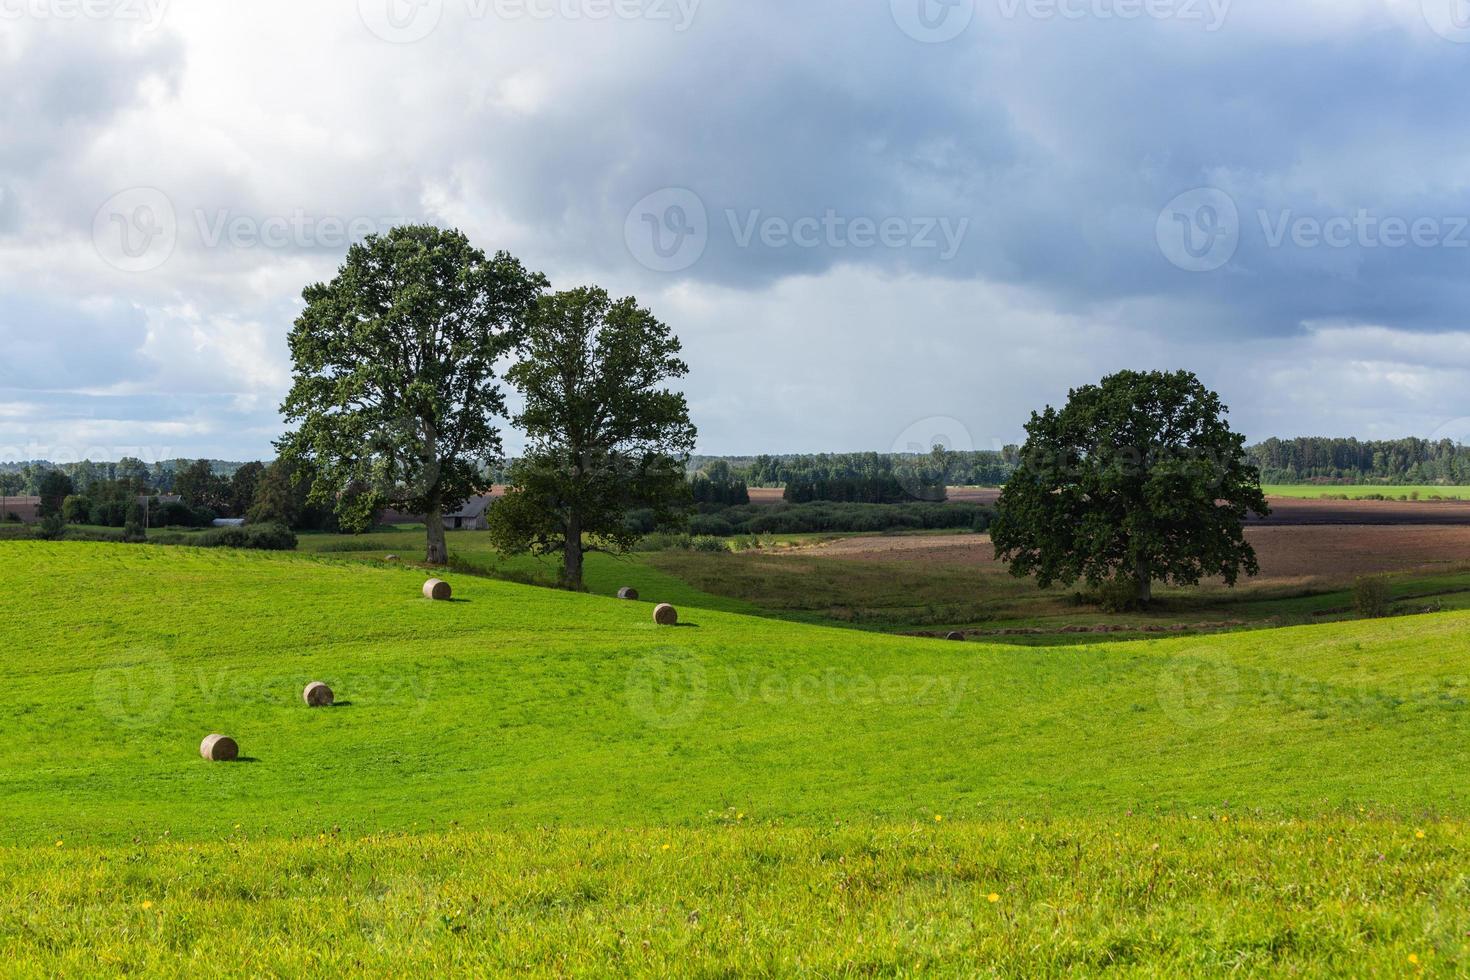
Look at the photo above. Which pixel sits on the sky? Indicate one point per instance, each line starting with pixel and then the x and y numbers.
pixel 875 224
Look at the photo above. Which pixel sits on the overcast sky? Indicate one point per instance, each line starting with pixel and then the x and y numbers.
pixel 873 223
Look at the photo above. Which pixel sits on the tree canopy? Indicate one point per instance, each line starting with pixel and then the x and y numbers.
pixel 1137 479
pixel 604 434
pixel 395 391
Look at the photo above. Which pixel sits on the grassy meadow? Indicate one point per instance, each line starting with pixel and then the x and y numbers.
pixel 529 779
pixel 1314 491
pixel 789 580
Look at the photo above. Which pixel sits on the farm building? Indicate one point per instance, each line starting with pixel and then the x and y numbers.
pixel 26 509
pixel 470 517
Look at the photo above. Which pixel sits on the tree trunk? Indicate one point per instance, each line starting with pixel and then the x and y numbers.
pixel 572 555
pixel 438 549
pixel 1144 575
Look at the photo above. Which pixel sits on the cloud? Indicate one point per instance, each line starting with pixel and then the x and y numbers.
pixel 883 229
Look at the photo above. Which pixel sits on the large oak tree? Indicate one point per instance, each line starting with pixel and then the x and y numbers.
pixel 605 436
pixel 1139 479
pixel 395 391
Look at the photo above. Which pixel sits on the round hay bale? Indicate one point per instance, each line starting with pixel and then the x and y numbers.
pixel 956 635
pixel 627 592
pixel 665 614
pixel 438 590
pixel 318 695
pixel 219 748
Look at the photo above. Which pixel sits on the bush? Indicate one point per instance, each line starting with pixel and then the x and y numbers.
pixel 1370 597
pixel 260 537
pixel 641 521
pixel 74 510
pixel 175 514
pixel 133 532
pixel 710 524
pixel 1116 595
pixel 51 528
pixel 706 543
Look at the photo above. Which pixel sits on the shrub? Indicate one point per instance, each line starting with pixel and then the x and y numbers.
pixel 51 528
pixel 710 524
pixel 706 543
pixel 270 537
pixel 176 514
pixel 641 521
pixel 1115 595
pixel 1370 597
pixel 74 510
pixel 133 532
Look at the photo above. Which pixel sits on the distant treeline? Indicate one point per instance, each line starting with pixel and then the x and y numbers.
pixel 880 477
pixel 1405 462
pixel 828 517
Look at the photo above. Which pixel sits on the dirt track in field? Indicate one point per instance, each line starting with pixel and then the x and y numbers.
pixel 1285 553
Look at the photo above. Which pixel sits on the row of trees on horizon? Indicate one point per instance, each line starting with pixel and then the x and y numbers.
pixel 227 489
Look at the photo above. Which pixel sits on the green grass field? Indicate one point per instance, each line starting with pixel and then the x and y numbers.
pixel 527 779
pixel 1312 491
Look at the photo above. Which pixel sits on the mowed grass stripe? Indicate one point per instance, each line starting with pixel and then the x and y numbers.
pixel 521 707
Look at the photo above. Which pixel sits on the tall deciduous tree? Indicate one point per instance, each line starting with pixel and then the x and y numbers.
pixel 605 435
pixel 1138 479
pixel 395 387
pixel 199 486
pixel 53 489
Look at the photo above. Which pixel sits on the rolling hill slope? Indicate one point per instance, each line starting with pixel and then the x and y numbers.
pixel 516 707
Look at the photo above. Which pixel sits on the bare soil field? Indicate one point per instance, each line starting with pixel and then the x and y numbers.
pixel 1285 511
pixel 1293 553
